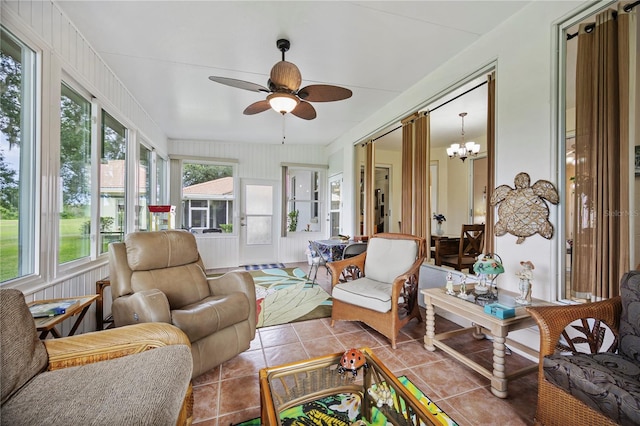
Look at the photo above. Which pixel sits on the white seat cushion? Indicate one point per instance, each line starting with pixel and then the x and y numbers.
pixel 364 292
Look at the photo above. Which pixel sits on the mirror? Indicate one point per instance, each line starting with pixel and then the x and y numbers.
pixel 458 188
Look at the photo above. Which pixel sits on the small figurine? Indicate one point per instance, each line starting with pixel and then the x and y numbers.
pixel 450 284
pixel 463 289
pixel 526 277
pixel 381 395
pixel 352 360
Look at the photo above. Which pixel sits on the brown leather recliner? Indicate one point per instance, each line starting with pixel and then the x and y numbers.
pixel 159 277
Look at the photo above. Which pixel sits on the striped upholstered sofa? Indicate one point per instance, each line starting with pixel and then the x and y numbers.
pixel 135 375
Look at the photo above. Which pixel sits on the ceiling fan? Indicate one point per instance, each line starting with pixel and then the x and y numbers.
pixel 284 90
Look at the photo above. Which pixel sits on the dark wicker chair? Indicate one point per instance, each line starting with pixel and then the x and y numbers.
pixel 589 360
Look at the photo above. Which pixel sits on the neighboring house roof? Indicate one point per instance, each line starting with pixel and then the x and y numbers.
pixel 112 174
pixel 222 186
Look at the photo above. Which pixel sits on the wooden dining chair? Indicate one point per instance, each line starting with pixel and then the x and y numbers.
pixel 470 245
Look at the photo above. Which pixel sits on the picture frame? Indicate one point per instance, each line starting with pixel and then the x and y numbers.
pixel 637 160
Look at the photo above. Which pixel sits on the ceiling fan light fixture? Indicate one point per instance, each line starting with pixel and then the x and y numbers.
pixel 283 102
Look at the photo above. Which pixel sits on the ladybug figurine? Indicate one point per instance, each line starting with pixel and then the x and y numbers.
pixel 352 360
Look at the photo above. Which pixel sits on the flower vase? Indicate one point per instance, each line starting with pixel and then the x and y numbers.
pixel 439 230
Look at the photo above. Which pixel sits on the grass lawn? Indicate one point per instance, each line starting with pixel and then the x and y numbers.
pixel 72 245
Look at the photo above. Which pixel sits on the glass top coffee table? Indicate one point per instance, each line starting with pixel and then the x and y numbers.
pixel 302 382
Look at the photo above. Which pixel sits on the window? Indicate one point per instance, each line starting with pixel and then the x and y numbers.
pixel 208 193
pixel 335 205
pixel 144 187
pixel 303 197
pixel 75 176
pixel 18 183
pixel 161 181
pixel 112 181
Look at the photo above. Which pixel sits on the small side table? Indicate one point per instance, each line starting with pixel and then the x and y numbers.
pixel 100 319
pixel 48 325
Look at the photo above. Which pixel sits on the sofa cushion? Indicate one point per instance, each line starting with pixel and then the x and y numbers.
pixel 388 258
pixel 365 292
pixel 211 314
pixel 22 354
pixel 608 383
pixel 161 249
pixel 145 389
pixel 630 318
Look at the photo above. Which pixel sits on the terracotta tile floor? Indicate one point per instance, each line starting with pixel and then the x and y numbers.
pixel 230 393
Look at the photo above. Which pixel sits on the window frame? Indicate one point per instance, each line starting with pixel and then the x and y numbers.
pixel 233 198
pixel 30 234
pixel 126 210
pixel 62 268
pixel 317 196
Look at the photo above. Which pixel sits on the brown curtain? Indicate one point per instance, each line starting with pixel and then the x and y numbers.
pixel 406 225
pixel 601 229
pixel 369 174
pixel 422 205
pixel 491 168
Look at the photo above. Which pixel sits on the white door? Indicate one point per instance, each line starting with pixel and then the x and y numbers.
pixel 258 222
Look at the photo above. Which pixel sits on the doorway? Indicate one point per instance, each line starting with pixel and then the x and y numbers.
pixel 258 229
pixel 382 198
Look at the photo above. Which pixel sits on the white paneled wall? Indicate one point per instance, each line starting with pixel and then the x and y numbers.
pixel 64 50
pixel 218 251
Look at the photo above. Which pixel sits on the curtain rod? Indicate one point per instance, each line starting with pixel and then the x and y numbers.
pixel 435 108
pixel 627 8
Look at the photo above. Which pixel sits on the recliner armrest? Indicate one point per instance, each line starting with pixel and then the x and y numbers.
pixel 141 307
pixel 236 281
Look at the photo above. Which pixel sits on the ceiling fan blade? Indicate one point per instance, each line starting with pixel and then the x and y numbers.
pixel 324 93
pixel 305 111
pixel 257 107
pixel 240 84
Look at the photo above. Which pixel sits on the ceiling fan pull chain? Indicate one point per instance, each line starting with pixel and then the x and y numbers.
pixel 283 136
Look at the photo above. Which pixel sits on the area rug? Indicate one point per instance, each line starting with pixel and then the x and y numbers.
pixel 344 409
pixel 285 295
pixel 263 266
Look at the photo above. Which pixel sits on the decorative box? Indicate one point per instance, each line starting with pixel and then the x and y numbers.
pixel 500 311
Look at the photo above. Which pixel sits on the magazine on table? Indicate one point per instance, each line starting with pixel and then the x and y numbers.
pixel 50 309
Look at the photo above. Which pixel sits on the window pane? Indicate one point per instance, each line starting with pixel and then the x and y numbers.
pixel 221 215
pixel 304 197
pixel 208 194
pixel 17 160
pixel 144 191
pixel 161 181
pixel 75 176
pixel 112 182
pixel 198 218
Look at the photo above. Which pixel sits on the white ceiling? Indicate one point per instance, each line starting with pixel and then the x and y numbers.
pixel 164 52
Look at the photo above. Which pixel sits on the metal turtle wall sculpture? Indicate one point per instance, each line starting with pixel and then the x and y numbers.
pixel 523 210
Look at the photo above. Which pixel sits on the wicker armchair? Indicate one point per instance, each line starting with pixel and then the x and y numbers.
pixel 117 378
pixel 380 286
pixel 555 405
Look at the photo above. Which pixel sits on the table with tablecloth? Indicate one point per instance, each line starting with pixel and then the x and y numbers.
pixel 331 249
